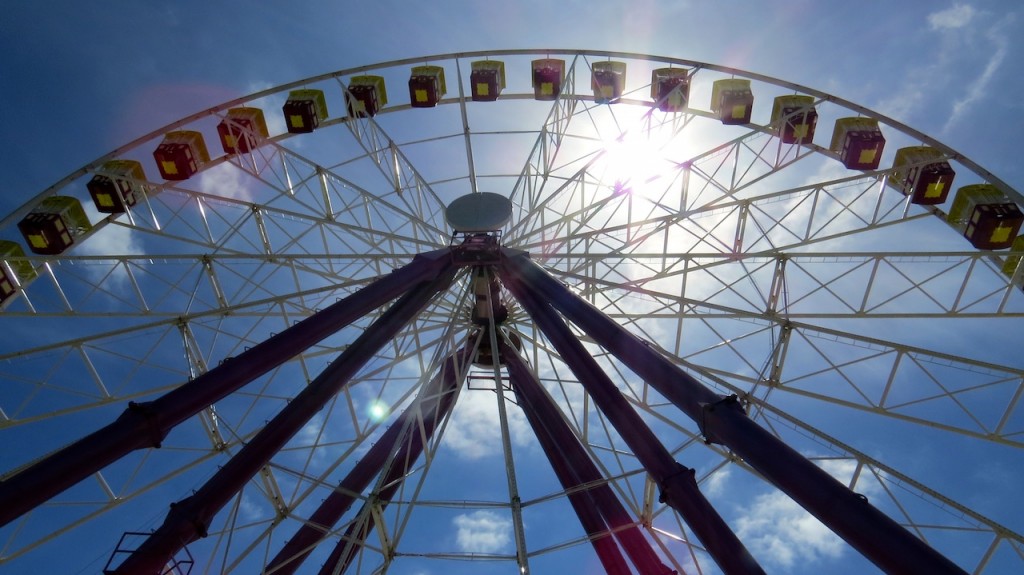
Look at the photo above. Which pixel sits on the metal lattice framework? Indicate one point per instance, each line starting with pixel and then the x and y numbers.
pixel 851 324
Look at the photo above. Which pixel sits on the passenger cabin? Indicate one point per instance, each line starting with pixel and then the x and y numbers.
pixel 548 76
pixel 487 80
pixel 117 186
pixel 732 100
pixel 859 143
pixel 242 130
pixel 923 174
pixel 52 226
pixel 670 89
pixel 426 86
pixel 14 272
pixel 304 110
pixel 366 95
pixel 181 154
pixel 989 220
pixel 608 80
pixel 794 118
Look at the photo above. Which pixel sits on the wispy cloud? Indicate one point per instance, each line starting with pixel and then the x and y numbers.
pixel 978 88
pixel 482 532
pixel 956 16
pixel 969 47
pixel 715 484
pixel 251 510
pixel 309 442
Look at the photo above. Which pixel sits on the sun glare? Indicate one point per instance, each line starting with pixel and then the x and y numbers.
pixel 378 411
pixel 633 161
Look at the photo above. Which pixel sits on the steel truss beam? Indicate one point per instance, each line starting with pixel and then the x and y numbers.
pixel 679 309
pixel 776 220
pixel 527 191
pixel 411 188
pixel 721 419
pixel 827 284
pixel 146 424
pixel 819 284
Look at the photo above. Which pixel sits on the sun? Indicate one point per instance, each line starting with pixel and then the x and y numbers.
pixel 632 161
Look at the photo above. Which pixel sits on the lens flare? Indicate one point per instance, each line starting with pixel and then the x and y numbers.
pixel 378 410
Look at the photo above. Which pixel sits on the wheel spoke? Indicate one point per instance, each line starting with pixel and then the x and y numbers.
pixel 857 327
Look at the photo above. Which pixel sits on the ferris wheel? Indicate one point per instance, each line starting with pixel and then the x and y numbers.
pixel 531 308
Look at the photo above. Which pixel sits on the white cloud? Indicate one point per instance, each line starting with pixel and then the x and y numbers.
pixel 844 469
pixel 715 484
pixel 473 431
pixel 779 531
pixel 313 432
pixel 111 240
pixel 251 510
pixel 482 532
pixel 227 181
pixel 958 16
pixel 970 47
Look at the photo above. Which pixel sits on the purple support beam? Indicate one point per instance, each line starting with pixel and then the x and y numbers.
pixel 402 441
pixel 146 424
pixel 574 467
pixel 678 485
pixel 875 535
pixel 190 517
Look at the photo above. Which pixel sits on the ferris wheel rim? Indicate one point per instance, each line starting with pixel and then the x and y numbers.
pixel 823 96
pixel 458 101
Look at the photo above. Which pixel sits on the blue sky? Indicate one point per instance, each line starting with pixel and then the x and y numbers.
pixel 103 85
pixel 77 82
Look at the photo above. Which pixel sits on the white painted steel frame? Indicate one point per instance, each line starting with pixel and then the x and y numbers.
pixel 735 259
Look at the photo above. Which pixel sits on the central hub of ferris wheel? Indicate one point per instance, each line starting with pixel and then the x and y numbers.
pixel 479 213
pixel 479 218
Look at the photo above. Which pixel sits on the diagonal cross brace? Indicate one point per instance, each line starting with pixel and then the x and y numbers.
pixel 190 517
pixel 146 424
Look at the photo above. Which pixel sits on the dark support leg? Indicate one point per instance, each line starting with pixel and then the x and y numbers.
pixel 678 485
pixel 189 518
pixel 574 467
pixel 883 541
pixel 432 403
pixel 146 424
